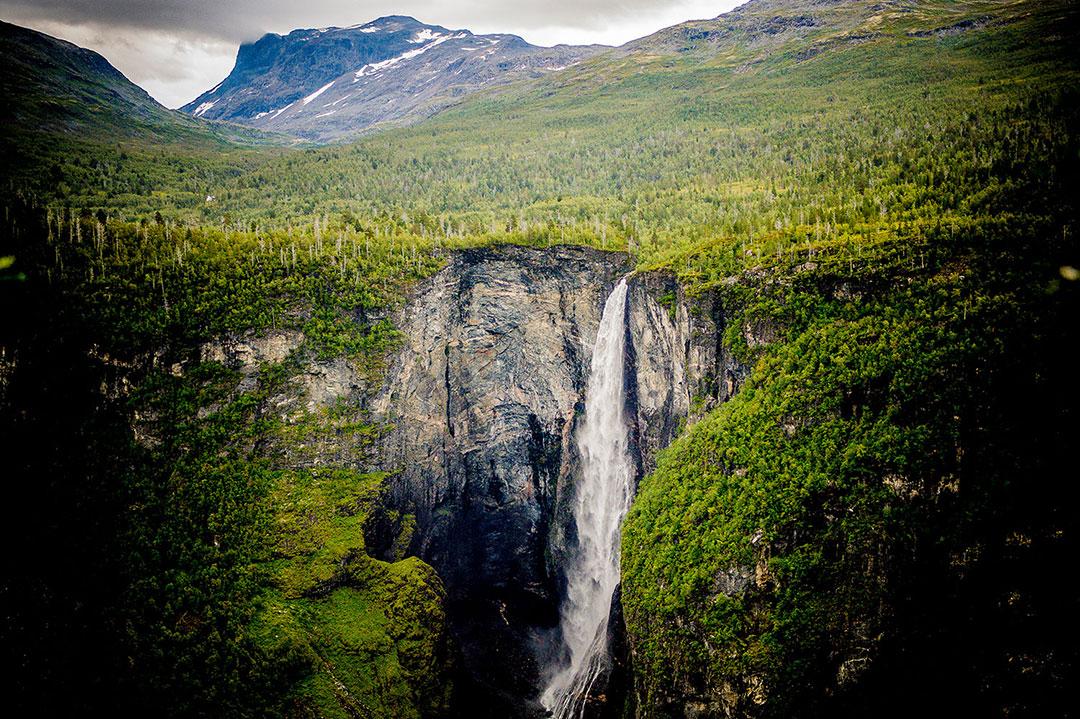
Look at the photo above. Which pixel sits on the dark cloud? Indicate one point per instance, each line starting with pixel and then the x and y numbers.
pixel 222 20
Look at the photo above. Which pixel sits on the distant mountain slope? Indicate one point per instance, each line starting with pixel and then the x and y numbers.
pixel 333 82
pixel 774 30
pixel 51 86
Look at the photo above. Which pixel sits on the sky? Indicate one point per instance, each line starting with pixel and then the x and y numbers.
pixel 177 49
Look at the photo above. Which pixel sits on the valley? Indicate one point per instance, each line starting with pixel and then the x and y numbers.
pixel 292 404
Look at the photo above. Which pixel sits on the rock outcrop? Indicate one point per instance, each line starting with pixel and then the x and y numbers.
pixel 680 368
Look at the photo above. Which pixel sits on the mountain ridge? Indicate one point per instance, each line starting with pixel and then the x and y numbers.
pixel 73 78
pixel 55 87
pixel 334 84
pixel 327 84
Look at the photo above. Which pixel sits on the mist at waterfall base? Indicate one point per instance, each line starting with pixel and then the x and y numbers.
pixel 603 494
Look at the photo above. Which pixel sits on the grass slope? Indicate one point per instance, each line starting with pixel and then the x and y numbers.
pixel 889 185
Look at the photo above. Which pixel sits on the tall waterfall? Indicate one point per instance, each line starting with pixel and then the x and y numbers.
pixel 604 492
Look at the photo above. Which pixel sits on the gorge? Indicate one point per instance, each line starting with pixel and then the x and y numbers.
pixel 496 476
pixel 485 400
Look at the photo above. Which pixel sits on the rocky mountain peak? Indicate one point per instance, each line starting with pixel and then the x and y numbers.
pixel 328 83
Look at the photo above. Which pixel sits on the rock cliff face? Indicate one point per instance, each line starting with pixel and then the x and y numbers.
pixel 482 401
pixel 479 406
pixel 680 369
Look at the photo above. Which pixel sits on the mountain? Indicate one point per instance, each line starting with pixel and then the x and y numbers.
pixel 72 125
pixel 293 434
pixel 54 87
pixel 775 30
pixel 330 83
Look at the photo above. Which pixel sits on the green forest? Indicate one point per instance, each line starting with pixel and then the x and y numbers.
pixel 896 205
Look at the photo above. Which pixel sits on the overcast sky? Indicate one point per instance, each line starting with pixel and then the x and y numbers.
pixel 176 49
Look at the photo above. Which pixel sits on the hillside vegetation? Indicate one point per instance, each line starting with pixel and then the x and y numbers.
pixel 888 187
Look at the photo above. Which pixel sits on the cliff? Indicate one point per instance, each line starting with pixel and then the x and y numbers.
pixel 481 402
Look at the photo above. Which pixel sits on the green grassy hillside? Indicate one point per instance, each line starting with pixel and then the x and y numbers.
pixel 875 522
pixel 182 553
pixel 890 187
pixel 664 150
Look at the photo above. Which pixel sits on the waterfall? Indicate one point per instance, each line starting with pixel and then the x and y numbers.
pixel 603 496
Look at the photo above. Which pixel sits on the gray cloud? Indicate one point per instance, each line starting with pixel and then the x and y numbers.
pixel 177 48
pixel 240 20
pixel 222 20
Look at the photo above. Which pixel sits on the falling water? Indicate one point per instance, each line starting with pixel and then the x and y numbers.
pixel 603 496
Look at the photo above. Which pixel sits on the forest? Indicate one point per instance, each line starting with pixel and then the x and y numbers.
pixel 900 207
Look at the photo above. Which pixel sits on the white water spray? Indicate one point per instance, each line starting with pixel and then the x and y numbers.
pixel 604 493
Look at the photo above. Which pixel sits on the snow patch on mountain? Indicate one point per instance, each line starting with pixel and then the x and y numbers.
pixel 393 84
pixel 375 67
pixel 321 90
pixel 425 35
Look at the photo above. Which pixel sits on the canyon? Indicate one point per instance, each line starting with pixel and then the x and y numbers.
pixel 484 399
pixel 480 406
pixel 295 431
